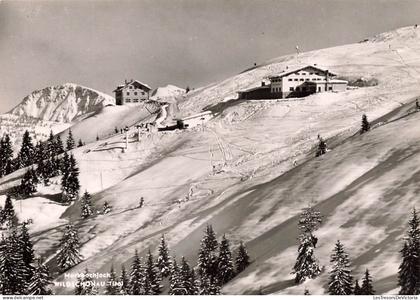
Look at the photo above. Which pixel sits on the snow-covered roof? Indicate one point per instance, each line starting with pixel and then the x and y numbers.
pixel 148 88
pixel 300 69
pixel 330 81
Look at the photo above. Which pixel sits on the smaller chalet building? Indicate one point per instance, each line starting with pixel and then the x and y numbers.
pixel 296 83
pixel 132 92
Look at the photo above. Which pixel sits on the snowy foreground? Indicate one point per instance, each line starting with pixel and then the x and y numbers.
pixel 364 187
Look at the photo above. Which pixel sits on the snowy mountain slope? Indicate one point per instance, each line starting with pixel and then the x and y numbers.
pixel 364 186
pixel 169 91
pixel 62 103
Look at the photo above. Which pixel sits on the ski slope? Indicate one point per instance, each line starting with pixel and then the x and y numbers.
pixel 263 154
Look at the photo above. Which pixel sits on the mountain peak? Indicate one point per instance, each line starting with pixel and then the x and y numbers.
pixel 62 103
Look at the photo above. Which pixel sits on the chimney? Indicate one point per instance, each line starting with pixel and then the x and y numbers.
pixel 262 83
pixel 125 81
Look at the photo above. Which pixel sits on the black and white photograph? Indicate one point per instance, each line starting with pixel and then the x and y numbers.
pixel 210 147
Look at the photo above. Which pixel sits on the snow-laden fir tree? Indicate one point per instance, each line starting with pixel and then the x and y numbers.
pixel 41 280
pixel 70 144
pixel 341 280
pixel 207 257
pixel 136 276
pixel 367 286
pixel 152 278
pixel 124 282
pixel 85 285
pixel 176 283
pixel 58 145
pixel 226 270
pixel 27 249
pixel 112 287
pixel 68 255
pixel 13 272
pixel 6 155
pixel 8 214
pixel 365 124
pixel 70 181
pixel 242 259
pixel 322 147
pixel 357 290
pixel 106 209
pixel 28 183
pixel 26 156
pixel 307 266
pixel 194 283
pixel 409 270
pixel 188 278
pixel 163 260
pixel 86 205
pixel 309 221
pixel 207 286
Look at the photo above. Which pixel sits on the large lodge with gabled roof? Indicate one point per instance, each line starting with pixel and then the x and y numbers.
pixel 132 92
pixel 296 83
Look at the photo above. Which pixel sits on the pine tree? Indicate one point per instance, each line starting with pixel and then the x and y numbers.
pixel 242 258
pixel 357 290
pixel 80 143
pixel 309 221
pixel 8 214
pixel 70 181
pixel 27 249
pixel 111 285
pixel 208 287
pixel 409 270
pixel 151 277
pixel 125 282
pixel 176 283
pixel 86 205
pixel 163 260
pixel 340 282
pixel 58 145
pixel 6 156
pixel 188 279
pixel 367 287
pixel 12 268
pixel 106 209
pixel 365 124
pixel 85 285
pixel 40 281
pixel 322 147
pixel 70 144
pixel 307 265
pixel 225 263
pixel 136 276
pixel 28 184
pixel 68 255
pixel 207 258
pixel 26 156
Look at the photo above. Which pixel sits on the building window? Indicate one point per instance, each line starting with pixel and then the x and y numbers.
pixel 296 79
pixel 127 100
pixel 311 73
pixel 292 89
pixel 307 79
pixel 135 93
pixel 303 74
pixel 330 88
pixel 290 79
pixel 128 93
pixel 302 79
pixel 319 89
pixel 135 100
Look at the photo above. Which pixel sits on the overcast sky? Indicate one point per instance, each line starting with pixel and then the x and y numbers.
pixel 183 42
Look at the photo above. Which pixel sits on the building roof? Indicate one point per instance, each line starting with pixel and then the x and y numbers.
pixel 135 82
pixel 329 81
pixel 300 69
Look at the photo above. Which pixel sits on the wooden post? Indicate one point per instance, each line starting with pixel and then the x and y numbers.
pixel 126 139
pixel 138 130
